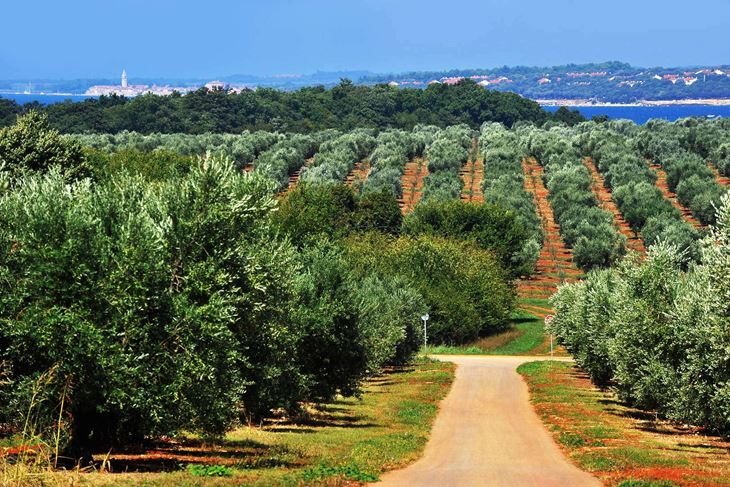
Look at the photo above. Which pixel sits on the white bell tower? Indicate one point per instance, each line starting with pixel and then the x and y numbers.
pixel 124 78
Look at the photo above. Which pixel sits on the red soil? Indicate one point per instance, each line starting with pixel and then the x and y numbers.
pixel 294 177
pixel 661 183
pixel 603 194
pixel 412 183
pixel 555 264
pixel 724 181
pixel 472 173
pixel 538 311
pixel 359 173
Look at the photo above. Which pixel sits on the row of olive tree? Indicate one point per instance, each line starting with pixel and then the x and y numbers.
pixel 584 225
pixel 244 148
pixel 337 157
pixel 658 334
pixel 175 305
pixel 709 138
pixel 286 156
pixel 446 154
pixel 393 150
pixel 504 186
pixel 687 172
pixel 613 149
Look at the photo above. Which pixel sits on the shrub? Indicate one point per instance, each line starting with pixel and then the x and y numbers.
pixel 31 144
pixel 130 291
pixel 489 226
pixel 464 287
pixel 377 211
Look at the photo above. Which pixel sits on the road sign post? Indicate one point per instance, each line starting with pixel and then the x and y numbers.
pixel 425 331
pixel 547 320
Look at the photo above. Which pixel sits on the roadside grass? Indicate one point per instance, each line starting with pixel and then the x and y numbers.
pixel 622 446
pixel 526 336
pixel 346 442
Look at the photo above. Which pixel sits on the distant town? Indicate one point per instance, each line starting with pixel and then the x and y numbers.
pixel 573 84
pixel 125 89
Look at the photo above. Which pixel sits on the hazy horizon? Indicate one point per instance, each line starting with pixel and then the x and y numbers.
pixel 179 39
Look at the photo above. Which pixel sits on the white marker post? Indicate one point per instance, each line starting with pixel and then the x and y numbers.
pixel 548 319
pixel 425 340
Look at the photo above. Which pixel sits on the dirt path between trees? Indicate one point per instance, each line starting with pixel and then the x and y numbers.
pixel 359 173
pixel 412 183
pixel 487 434
pixel 555 264
pixel 661 183
pixel 605 199
pixel 472 174
pixel 722 180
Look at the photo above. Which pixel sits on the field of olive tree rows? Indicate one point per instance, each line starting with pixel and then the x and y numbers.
pixel 257 272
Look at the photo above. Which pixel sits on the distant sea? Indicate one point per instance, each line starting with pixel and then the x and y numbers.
pixel 642 114
pixel 43 98
pixel 638 114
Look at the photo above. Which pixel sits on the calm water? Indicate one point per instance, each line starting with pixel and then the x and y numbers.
pixel 642 114
pixel 43 99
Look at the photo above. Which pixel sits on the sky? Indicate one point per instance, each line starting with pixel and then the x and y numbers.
pixel 72 39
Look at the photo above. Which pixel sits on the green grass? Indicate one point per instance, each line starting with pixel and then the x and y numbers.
pixel 618 444
pixel 525 336
pixel 348 440
pixel 542 303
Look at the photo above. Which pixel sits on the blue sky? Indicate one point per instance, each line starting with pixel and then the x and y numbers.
pixel 65 39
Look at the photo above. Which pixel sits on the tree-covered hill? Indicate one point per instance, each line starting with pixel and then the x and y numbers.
pixel 345 106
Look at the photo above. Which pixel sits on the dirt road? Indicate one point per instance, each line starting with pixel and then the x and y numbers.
pixel 487 434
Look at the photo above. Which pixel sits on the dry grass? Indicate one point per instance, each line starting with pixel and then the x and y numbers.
pixel 346 442
pixel 618 444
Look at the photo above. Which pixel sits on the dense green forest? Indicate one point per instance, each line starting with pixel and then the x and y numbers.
pixel 345 107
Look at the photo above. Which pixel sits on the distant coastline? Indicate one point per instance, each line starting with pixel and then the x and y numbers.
pixel 42 93
pixel 546 102
pixel 644 103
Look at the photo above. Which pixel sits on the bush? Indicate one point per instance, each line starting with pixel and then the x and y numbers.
pixel 464 287
pixel 489 226
pixel 130 291
pixel 155 166
pixel 31 144
pixel 377 211
pixel 310 212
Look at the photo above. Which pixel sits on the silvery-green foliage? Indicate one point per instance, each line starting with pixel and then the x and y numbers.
pixel 504 185
pixel 658 333
pixel 621 160
pixel 584 225
pixel 285 157
pixel 242 148
pixel 394 148
pixel 446 154
pixel 337 157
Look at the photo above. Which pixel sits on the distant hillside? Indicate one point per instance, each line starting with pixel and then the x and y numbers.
pixel 604 82
pixel 613 82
